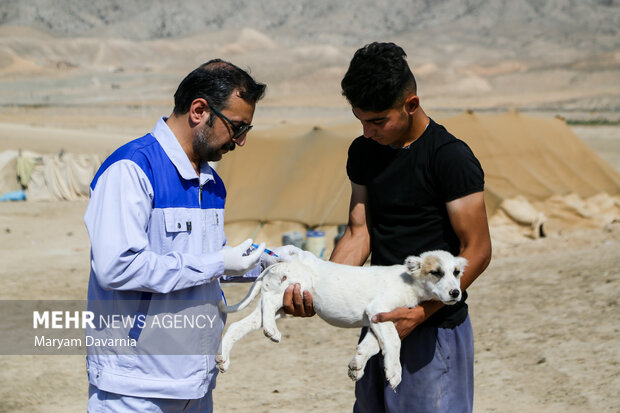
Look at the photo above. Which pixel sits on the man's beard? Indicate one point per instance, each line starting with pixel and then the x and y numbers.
pixel 204 148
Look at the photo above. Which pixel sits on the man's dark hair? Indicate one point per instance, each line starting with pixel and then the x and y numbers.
pixel 378 77
pixel 215 81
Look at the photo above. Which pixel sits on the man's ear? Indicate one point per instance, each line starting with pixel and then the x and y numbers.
pixel 197 110
pixel 412 103
pixel 413 264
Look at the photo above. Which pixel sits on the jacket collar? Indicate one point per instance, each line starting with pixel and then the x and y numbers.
pixel 177 155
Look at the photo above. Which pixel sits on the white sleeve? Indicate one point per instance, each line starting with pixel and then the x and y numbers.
pixel 117 219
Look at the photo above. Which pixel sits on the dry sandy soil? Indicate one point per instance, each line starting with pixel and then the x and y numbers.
pixel 87 77
pixel 544 314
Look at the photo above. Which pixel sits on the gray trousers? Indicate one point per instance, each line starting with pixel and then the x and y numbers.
pixel 438 374
pixel 100 401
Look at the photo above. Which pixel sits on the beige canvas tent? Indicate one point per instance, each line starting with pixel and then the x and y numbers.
pixel 533 167
pixel 48 177
pixel 285 180
pixel 532 157
pixel 293 177
pixel 299 178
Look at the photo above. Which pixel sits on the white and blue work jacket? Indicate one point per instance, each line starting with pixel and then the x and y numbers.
pixel 156 229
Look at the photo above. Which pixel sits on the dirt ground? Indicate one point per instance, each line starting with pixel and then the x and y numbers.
pixel 544 315
pixel 544 312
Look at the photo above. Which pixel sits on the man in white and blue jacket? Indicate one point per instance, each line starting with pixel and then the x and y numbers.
pixel 156 225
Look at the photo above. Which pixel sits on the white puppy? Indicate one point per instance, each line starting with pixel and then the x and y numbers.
pixel 349 296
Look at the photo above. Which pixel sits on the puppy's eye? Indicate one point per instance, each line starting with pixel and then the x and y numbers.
pixel 437 273
pixel 456 272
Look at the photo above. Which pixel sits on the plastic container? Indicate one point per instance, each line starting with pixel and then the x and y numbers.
pixel 295 238
pixel 315 242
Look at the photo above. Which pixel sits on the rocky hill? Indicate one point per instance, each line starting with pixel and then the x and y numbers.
pixel 504 53
pixel 587 22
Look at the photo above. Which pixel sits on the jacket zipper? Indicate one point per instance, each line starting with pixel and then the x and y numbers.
pixel 207 363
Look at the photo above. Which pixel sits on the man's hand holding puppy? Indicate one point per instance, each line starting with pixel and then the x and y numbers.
pixel 297 305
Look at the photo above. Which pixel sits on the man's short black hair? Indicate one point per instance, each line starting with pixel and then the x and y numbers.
pixel 378 77
pixel 215 81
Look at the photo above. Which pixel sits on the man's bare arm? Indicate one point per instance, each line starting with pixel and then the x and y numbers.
pixel 468 217
pixel 354 246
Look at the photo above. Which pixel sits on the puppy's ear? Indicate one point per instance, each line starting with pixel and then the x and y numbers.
pixel 461 262
pixel 413 264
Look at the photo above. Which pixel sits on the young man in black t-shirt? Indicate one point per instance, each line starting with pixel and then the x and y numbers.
pixel 415 188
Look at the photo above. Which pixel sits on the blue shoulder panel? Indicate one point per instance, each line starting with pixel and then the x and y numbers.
pixel 170 189
pixel 132 151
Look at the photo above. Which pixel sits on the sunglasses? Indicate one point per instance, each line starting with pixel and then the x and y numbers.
pixel 237 129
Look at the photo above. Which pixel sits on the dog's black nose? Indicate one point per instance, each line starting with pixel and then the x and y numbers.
pixel 455 293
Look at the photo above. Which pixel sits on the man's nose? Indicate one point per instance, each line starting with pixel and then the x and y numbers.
pixel 240 141
pixel 368 131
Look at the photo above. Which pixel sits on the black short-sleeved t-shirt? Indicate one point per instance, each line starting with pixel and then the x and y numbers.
pixel 408 189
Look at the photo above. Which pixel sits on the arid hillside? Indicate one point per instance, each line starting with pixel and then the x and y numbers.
pixel 557 55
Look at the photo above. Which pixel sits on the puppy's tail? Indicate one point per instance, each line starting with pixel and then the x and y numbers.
pixel 254 290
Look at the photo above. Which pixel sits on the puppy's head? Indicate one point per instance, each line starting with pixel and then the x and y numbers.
pixel 440 273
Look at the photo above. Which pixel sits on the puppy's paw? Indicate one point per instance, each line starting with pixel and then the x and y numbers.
pixel 275 336
pixel 222 362
pixel 394 377
pixel 355 370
